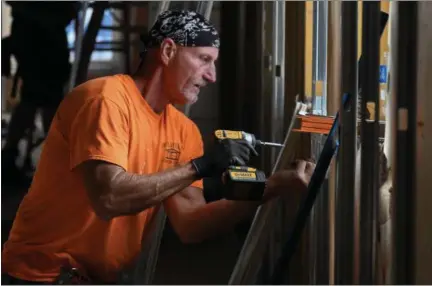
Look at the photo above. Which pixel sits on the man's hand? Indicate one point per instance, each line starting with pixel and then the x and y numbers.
pixel 224 153
pixel 294 181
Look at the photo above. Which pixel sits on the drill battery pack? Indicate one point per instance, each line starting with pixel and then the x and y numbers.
pixel 243 183
pixel 228 134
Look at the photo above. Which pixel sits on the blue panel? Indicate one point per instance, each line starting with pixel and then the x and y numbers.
pixel 383 74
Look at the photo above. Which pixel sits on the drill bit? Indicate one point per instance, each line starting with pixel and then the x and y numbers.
pixel 271 144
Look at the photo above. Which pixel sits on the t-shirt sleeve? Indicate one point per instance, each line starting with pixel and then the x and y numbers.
pixel 100 131
pixel 194 148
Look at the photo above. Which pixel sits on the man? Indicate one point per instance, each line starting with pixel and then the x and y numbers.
pixel 38 42
pixel 116 150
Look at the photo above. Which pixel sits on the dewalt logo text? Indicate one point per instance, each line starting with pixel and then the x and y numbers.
pixel 243 175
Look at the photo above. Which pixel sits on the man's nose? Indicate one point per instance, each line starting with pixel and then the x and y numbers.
pixel 210 74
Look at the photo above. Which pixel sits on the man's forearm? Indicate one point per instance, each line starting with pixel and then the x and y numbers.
pixel 223 215
pixel 133 193
pixel 218 217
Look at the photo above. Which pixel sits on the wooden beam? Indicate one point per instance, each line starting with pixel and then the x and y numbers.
pixel 321 124
pixel 313 124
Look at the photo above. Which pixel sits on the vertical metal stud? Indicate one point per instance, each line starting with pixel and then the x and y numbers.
pixel 423 196
pixel 278 72
pixel 344 230
pixel 334 94
pixel 404 90
pixel 369 194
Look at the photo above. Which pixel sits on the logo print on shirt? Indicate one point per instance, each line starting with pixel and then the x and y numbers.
pixel 172 152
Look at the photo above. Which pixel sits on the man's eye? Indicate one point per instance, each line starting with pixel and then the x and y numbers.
pixel 206 58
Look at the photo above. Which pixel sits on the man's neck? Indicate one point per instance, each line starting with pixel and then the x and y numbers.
pixel 152 90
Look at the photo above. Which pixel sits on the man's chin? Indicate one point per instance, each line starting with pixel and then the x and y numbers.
pixel 188 100
pixel 183 99
pixel 191 100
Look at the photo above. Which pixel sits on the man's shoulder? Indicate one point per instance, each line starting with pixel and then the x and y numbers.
pixel 101 84
pixel 186 126
pixel 106 87
pixel 102 90
pixel 180 117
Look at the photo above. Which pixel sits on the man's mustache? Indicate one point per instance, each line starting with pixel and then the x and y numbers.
pixel 200 84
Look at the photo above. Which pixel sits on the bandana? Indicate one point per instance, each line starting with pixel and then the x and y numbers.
pixel 185 28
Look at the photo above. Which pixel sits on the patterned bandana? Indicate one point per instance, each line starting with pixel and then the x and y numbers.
pixel 185 28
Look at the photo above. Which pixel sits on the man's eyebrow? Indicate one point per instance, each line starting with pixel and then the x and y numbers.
pixel 207 54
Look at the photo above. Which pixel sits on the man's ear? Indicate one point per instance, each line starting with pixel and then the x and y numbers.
pixel 168 50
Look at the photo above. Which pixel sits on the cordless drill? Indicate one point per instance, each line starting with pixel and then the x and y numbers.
pixel 242 182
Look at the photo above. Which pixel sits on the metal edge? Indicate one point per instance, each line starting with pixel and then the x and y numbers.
pixel 260 220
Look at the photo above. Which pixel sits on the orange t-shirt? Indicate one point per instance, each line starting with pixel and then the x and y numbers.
pixel 105 119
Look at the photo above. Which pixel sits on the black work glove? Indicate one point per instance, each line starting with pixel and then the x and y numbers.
pixel 225 153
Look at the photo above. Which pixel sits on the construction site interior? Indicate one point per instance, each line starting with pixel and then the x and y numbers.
pixel 283 69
